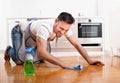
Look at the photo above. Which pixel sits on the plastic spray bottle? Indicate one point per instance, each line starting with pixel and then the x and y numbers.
pixel 28 65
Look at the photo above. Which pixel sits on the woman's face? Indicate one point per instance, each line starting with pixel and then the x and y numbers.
pixel 61 27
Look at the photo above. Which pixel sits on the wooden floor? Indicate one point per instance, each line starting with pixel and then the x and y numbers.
pixel 48 73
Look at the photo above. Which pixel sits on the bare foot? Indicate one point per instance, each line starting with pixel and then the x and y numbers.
pixel 6 56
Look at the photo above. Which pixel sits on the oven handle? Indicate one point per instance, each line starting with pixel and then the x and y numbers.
pixel 90 23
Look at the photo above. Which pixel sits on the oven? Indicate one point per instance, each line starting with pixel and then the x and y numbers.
pixel 90 33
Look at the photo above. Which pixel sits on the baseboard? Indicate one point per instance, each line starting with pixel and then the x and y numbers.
pixel 76 53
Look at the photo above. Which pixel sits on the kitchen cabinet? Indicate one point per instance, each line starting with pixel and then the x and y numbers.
pixel 63 45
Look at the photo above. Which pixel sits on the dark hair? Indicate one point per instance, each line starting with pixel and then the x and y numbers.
pixel 64 16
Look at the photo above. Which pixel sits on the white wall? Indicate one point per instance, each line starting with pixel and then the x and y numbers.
pixel 114 19
pixel 110 10
pixel 51 8
pixel 4 12
pixel 41 8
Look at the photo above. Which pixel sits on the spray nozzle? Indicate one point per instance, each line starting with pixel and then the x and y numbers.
pixel 30 50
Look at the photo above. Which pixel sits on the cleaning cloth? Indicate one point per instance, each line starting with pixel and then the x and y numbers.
pixel 77 67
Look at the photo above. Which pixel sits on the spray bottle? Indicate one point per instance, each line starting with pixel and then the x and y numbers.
pixel 28 65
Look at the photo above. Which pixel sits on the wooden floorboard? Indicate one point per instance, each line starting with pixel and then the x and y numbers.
pixel 49 73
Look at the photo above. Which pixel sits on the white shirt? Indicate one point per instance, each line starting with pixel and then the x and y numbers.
pixel 43 28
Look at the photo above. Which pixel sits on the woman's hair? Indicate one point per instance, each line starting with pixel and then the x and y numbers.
pixel 66 17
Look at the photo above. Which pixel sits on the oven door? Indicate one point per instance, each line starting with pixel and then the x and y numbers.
pixel 90 34
pixel 89 30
